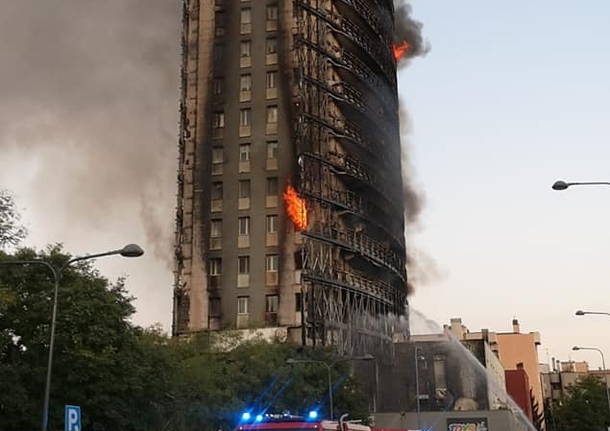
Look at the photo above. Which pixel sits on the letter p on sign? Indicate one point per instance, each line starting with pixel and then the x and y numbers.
pixel 72 418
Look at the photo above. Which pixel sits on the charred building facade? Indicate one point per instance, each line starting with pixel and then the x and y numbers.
pixel 290 208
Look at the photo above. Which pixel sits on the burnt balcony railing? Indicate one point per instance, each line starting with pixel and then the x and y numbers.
pixel 375 288
pixel 361 243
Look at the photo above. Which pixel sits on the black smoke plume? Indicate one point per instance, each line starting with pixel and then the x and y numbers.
pixel 407 29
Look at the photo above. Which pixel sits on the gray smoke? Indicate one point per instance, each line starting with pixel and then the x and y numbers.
pixel 421 268
pixel 90 92
pixel 407 29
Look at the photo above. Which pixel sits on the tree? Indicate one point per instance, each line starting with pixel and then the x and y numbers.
pixel 212 388
pixel 133 379
pixel 584 408
pixel 11 231
pixel 101 362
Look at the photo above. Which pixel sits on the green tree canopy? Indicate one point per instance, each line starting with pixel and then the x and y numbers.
pixel 128 378
pixel 584 407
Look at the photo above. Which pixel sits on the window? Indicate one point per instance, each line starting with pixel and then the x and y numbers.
pixel 272 79
pixel 215 234
pixel 243 303
pixel 216 195
pixel 271 114
pixel 216 229
pixel 216 191
pixel 220 24
pixel 245 83
pixel 246 21
pixel 272 303
pixel 271 224
pixel 272 150
pixel 246 47
pixel 271 51
pixel 245 53
pixel 218 119
pixel 245 88
pixel 243 264
pixel 215 266
pixel 272 119
pixel 218 124
pixel 215 310
pixel 217 160
pixel 271 262
pixel 218 53
pixel 272 186
pixel 244 152
pixel 244 117
pixel 244 189
pixel 271 46
pixel 272 13
pixel 244 225
pixel 271 85
pixel 218 86
pixel 297 302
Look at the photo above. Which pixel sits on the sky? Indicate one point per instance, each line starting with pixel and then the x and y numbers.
pixel 510 97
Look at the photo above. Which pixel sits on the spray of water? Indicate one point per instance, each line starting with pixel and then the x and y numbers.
pixel 420 324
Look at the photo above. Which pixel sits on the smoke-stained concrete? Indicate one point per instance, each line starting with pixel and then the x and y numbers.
pixel 88 123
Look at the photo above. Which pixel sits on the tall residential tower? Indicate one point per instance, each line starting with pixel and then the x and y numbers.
pixel 290 208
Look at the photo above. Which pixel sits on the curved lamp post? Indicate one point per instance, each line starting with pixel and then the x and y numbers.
pixel 130 250
pixel 576 348
pixel 582 313
pixel 562 185
pixel 291 361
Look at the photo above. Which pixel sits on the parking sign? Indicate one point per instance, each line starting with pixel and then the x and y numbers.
pixel 72 418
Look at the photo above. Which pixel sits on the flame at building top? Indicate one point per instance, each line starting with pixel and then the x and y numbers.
pixel 408 39
pixel 296 208
pixel 400 49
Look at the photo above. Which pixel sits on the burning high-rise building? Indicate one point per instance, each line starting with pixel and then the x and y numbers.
pixel 290 208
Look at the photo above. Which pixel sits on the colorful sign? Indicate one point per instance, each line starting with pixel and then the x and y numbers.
pixel 467 424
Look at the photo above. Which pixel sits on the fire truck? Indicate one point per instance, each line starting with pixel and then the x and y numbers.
pixel 298 423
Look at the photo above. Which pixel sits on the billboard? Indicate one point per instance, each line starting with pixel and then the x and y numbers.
pixel 467 424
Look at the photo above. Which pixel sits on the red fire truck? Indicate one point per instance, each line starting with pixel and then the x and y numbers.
pixel 295 423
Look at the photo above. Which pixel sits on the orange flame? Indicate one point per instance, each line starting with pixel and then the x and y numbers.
pixel 296 208
pixel 400 50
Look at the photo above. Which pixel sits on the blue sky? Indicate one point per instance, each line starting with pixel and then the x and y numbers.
pixel 512 96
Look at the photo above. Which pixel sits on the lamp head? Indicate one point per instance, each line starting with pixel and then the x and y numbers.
pixel 560 185
pixel 580 313
pixel 575 348
pixel 132 250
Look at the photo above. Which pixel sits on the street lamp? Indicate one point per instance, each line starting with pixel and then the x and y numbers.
pixel 582 313
pixel 562 185
pixel 416 360
pixel 576 348
pixel 292 361
pixel 130 250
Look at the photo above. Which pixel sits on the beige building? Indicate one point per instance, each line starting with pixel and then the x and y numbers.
pixel 290 209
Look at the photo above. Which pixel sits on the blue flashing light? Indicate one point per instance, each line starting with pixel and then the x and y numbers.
pixel 259 418
pixel 246 416
pixel 313 415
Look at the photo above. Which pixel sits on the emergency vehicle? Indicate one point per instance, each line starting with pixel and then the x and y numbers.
pixel 298 423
